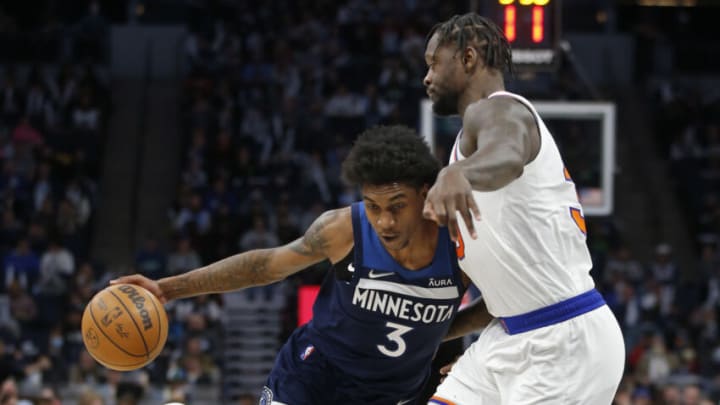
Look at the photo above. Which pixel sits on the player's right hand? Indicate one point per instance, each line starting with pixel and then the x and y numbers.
pixel 144 282
pixel 452 193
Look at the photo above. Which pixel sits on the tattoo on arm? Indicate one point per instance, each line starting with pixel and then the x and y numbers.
pixel 235 272
pixel 315 242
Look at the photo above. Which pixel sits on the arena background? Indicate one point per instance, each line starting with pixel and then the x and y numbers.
pixel 156 136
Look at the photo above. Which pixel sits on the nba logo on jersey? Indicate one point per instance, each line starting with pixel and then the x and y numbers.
pixel 307 352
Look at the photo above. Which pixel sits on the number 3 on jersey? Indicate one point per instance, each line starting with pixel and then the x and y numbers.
pixel 395 337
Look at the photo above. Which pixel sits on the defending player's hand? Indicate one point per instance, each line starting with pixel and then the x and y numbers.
pixel 451 194
pixel 142 281
pixel 445 370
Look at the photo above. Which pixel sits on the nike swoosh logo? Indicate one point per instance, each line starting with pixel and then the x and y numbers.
pixel 373 274
pixel 404 402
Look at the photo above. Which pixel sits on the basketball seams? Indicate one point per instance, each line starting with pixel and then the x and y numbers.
pixel 142 336
pixel 102 330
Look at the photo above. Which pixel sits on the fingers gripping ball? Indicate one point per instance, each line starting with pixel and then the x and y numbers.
pixel 124 327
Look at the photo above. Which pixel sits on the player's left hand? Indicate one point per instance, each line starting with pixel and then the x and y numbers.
pixel 451 194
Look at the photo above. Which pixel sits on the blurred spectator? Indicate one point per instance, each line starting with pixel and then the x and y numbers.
pixel 194 366
pixel 90 398
pixel 246 399
pixel 150 260
pixel 48 396
pixel 9 392
pixel 671 395
pixel 193 217
pixel 86 371
pixel 259 237
pixel 184 258
pixel 25 134
pixel 129 393
pixel 11 99
pixel 21 265
pixel 57 266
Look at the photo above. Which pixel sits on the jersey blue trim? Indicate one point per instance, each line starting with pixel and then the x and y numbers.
pixel 556 313
pixel 356 209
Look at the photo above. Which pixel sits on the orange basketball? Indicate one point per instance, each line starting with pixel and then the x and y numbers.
pixel 124 327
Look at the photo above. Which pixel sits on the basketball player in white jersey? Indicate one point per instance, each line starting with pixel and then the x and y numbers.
pixel 520 234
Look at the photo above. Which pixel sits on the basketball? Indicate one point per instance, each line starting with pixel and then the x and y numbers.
pixel 124 327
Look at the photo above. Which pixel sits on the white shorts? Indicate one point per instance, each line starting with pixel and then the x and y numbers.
pixel 578 361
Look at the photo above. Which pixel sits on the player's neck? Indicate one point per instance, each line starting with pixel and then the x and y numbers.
pixel 480 88
pixel 420 249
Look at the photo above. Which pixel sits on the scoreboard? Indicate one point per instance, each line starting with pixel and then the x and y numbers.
pixel 531 26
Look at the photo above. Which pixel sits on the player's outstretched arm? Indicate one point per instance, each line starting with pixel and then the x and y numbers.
pixel 503 136
pixel 326 238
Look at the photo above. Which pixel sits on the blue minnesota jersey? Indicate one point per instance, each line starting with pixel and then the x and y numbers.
pixel 380 322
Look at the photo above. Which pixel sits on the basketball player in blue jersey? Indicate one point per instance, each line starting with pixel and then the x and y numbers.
pixel 387 304
pixel 554 341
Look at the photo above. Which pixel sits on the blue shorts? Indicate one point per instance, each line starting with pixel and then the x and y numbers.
pixel 303 376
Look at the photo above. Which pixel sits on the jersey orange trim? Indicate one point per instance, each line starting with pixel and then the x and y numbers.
pixel 440 401
pixel 460 247
pixel 579 219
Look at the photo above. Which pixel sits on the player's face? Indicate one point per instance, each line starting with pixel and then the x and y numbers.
pixel 394 211
pixel 443 79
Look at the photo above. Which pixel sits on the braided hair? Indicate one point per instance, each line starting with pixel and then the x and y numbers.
pixel 485 35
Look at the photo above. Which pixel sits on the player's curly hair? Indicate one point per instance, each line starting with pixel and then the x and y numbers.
pixel 390 154
pixel 485 35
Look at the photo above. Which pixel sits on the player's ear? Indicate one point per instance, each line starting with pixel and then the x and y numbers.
pixel 470 58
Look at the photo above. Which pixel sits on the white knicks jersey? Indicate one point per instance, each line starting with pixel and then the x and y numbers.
pixel 531 249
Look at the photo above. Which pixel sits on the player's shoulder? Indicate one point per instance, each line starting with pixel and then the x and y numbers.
pixel 331 233
pixel 335 225
pixel 492 109
pixel 488 113
pixel 335 219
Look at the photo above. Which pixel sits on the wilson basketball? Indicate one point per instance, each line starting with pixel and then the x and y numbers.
pixel 124 327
